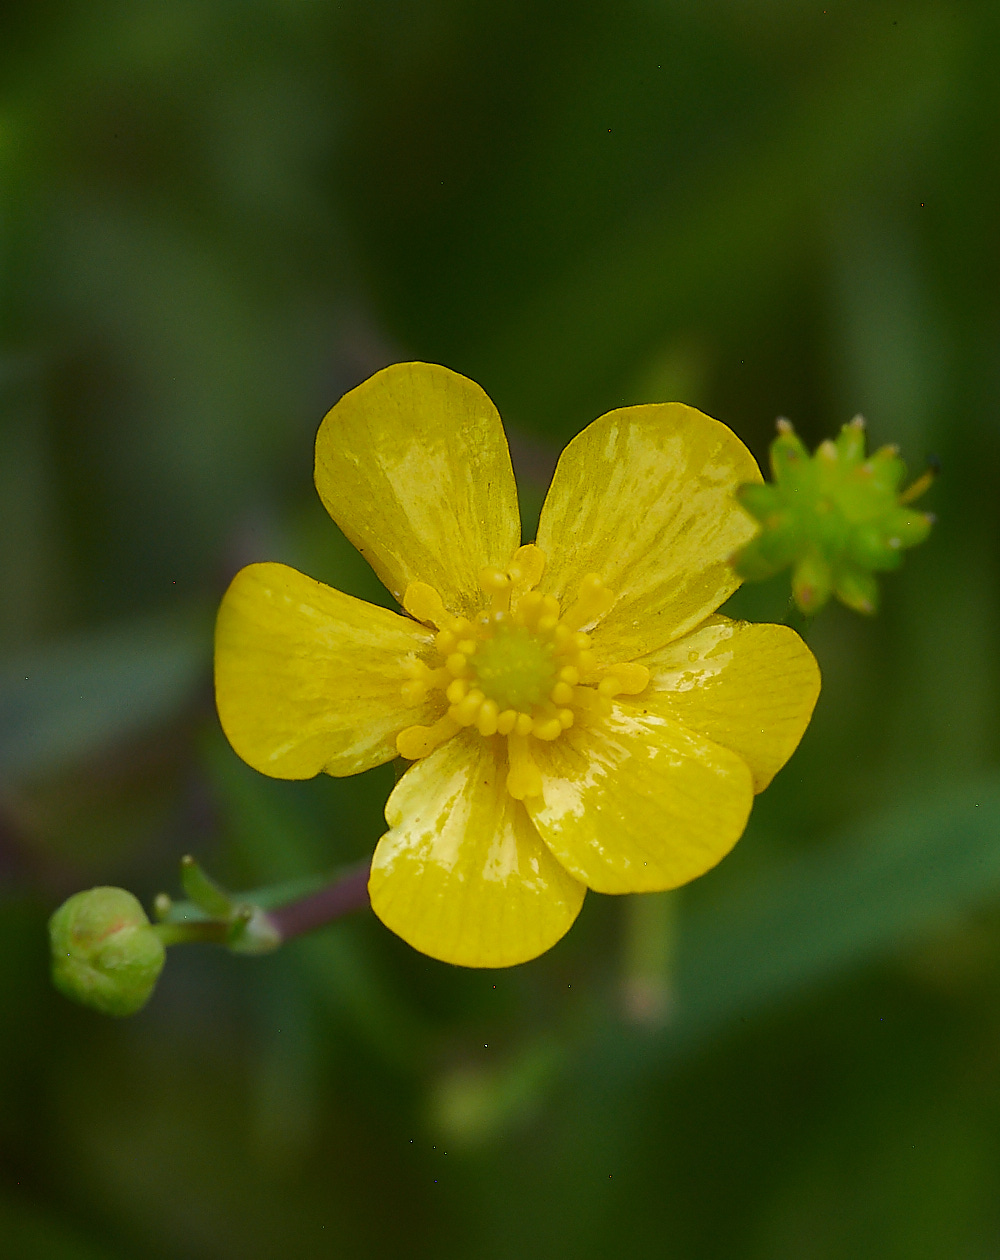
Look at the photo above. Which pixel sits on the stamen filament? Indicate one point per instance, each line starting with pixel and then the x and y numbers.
pixel 592 602
pixel 523 777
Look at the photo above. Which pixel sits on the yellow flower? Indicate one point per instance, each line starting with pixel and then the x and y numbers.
pixel 575 715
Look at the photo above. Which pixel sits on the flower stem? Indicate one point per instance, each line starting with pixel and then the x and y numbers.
pixel 259 921
pixel 346 893
pixel 647 983
pixel 194 932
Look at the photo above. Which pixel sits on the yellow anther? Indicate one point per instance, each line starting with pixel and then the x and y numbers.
pixel 496 584
pixel 592 602
pixel 419 741
pixel 425 604
pixel 457 690
pixel 486 719
pixel 565 718
pixel 547 728
pixel 561 693
pixel 629 678
pixel 422 679
pixel 467 709
pixel 493 580
pixel 527 567
pixel 585 661
pixel 445 641
pixel 568 674
pixel 523 724
pixel 609 686
pixel 456 664
pixel 467 647
pixel 506 721
pixel 523 778
pixel 528 609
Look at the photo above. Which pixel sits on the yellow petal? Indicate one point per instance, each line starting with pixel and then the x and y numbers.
pixel 309 679
pixel 644 498
pixel 751 688
pixel 413 466
pixel 633 802
pixel 463 875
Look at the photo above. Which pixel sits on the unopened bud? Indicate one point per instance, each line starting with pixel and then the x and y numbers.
pixel 105 953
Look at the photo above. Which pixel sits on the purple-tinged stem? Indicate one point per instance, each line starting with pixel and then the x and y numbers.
pixel 349 892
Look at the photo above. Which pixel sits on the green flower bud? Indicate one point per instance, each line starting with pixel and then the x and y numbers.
pixel 105 953
pixel 835 517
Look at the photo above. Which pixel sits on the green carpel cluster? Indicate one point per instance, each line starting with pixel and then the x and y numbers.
pixel 836 518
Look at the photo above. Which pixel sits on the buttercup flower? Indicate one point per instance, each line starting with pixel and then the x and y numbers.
pixel 575 715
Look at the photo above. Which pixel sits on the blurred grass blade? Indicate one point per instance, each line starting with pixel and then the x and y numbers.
pixel 65 701
pixel 882 886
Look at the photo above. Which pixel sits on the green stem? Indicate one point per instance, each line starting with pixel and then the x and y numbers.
pixel 650 929
pixel 261 920
pixel 193 932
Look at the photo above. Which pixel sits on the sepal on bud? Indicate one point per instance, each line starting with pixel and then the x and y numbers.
pixel 836 517
pixel 105 952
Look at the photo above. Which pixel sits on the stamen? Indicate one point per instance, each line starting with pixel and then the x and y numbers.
pixel 628 678
pixel 423 603
pixel 496 584
pixel 561 693
pixel 467 709
pixel 549 618
pixel 592 602
pixel 547 728
pixel 528 609
pixel 523 778
pixel 457 690
pixel 520 669
pixel 527 567
pixel 419 741
pixel 487 718
pixel 422 679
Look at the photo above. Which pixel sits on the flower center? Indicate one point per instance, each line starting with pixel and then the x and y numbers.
pixel 514 668
pixel 522 668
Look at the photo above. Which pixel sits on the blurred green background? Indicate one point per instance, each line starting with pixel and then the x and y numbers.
pixel 215 217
